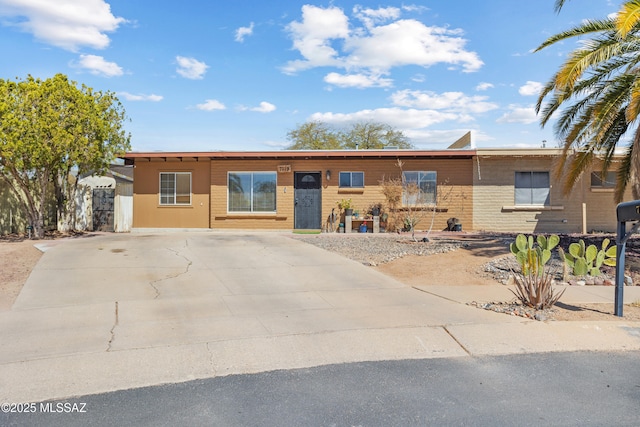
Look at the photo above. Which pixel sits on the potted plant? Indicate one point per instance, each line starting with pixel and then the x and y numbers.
pixel 346 206
pixel 375 209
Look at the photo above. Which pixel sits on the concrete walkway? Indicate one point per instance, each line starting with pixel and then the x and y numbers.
pixel 111 312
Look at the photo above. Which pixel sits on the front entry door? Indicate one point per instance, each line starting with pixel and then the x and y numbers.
pixel 308 207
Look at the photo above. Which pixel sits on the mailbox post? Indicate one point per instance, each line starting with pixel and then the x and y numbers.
pixel 625 212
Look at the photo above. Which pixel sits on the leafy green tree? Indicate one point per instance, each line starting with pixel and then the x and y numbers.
pixel 313 136
pixel 52 131
pixel 366 136
pixel 598 90
pixel 373 136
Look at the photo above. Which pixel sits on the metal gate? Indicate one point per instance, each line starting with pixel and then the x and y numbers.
pixel 308 206
pixel 103 207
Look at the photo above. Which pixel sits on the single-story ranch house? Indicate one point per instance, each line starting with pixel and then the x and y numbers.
pixel 512 190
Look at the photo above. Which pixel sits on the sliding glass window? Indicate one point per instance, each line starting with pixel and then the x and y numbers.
pixel 252 191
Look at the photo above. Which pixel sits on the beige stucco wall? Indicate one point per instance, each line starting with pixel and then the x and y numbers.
pixel 147 212
pixel 494 197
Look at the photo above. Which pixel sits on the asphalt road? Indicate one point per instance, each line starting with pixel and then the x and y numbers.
pixel 563 389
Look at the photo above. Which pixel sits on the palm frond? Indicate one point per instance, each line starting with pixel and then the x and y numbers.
pixel 628 17
pixel 624 174
pixel 580 162
pixel 558 6
pixel 587 27
pixel 594 97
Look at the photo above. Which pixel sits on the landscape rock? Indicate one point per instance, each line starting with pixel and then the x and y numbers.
pixel 373 250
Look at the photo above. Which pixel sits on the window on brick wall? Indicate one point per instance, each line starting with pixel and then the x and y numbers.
pixel 609 180
pixel 175 188
pixel 419 188
pixel 252 191
pixel 532 188
pixel 351 179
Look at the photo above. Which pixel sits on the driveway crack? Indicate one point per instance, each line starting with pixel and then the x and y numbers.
pixel 153 283
pixel 112 332
pixel 211 364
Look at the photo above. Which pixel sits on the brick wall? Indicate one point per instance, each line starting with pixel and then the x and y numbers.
pixel 494 196
pixel 454 178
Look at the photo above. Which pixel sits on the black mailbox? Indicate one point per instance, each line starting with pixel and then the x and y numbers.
pixel 628 211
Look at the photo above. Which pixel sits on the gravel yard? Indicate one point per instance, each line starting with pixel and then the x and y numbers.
pixel 373 250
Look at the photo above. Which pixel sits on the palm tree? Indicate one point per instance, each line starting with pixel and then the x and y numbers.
pixel 598 87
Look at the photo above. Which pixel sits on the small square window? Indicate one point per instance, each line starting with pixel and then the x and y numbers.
pixel 351 179
pixel 532 188
pixel 175 188
pixel 609 180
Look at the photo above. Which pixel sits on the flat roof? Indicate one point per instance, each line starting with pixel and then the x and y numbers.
pixel 293 154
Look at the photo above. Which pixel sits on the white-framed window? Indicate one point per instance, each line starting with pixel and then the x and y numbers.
pixel 419 188
pixel 175 188
pixel 532 188
pixel 351 180
pixel 609 180
pixel 251 191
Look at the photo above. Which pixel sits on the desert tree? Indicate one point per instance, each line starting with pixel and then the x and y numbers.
pixel 317 135
pixel 373 136
pixel 314 135
pixel 51 132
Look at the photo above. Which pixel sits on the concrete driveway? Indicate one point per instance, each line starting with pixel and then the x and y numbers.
pixel 118 311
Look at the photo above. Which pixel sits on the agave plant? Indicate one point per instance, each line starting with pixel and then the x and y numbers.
pixel 534 282
pixel 536 290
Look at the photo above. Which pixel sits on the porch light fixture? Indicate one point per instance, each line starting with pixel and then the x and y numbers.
pixel 328 174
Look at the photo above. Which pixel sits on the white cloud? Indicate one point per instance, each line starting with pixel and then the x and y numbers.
pixel 444 136
pixel 98 66
pixel 370 17
pixel 414 8
pixel 357 80
pixel 530 89
pixel 277 144
pixel 68 24
pixel 312 37
pixel 451 101
pixel 399 118
pixel 264 107
pixel 211 105
pixel 518 114
pixel 484 86
pixel 325 37
pixel 415 112
pixel 132 97
pixel 243 32
pixel 191 68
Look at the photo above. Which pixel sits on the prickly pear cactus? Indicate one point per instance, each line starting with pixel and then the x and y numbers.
pixel 587 260
pixel 532 254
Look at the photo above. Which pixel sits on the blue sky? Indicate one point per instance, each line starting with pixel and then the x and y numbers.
pixel 238 75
